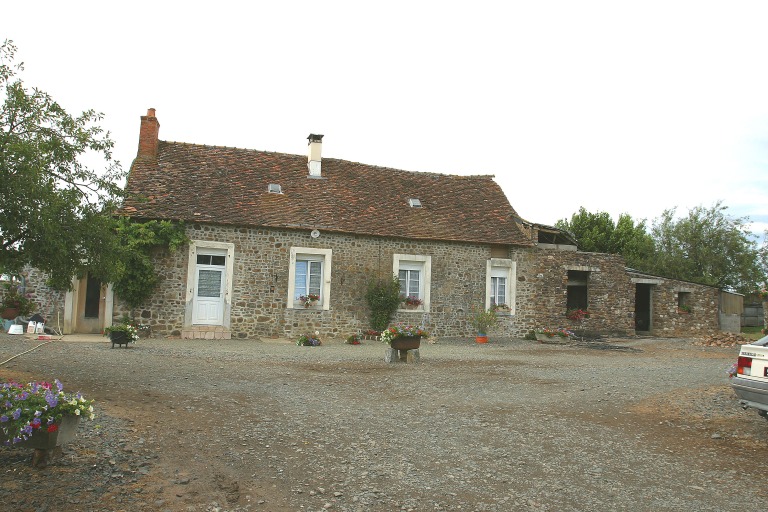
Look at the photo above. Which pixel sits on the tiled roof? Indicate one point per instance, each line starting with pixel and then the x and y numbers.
pixel 221 185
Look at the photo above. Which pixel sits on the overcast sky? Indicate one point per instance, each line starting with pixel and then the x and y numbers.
pixel 618 106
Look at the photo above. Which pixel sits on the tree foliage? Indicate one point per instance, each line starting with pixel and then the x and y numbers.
pixel 596 232
pixel 709 247
pixel 55 211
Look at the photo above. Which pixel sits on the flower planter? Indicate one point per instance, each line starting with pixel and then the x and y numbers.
pixel 119 338
pixel 543 338
pixel 404 349
pixel 481 338
pixel 43 440
pixel 406 343
pixel 9 313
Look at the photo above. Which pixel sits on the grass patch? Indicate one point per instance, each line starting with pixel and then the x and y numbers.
pixel 753 333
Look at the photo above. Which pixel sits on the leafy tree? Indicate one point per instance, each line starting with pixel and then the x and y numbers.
pixel 55 211
pixel 596 232
pixel 707 247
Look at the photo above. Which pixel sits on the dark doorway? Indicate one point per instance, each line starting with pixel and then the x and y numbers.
pixel 92 298
pixel 643 307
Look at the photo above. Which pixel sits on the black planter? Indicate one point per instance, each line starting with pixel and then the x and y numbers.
pixel 119 338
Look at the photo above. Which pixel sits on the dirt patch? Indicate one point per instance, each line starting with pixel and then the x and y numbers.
pixel 512 425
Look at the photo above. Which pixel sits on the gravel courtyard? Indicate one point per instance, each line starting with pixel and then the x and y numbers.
pixel 264 425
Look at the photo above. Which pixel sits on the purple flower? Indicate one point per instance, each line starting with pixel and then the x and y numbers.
pixel 3 418
pixel 52 399
pixel 16 414
pixel 59 385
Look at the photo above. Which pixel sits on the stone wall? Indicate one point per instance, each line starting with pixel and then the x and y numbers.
pixel 50 303
pixel 542 291
pixel 668 321
pixel 458 279
pixel 260 281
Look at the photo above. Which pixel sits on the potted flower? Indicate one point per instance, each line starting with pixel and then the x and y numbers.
pixel 550 335
pixel 501 308
pixel 577 315
pixel 15 304
pixel 309 299
pixel 403 337
pixel 411 302
pixel 40 415
pixel 354 339
pixel 309 340
pixel 122 334
pixel 482 320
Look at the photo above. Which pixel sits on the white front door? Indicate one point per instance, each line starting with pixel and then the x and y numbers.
pixel 209 290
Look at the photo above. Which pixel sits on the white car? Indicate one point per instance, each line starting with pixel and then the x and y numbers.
pixel 750 381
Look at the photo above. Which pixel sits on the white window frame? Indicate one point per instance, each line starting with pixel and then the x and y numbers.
pixel 416 262
pixel 307 253
pixel 501 267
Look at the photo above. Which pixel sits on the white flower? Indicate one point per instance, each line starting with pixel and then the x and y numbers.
pixel 77 412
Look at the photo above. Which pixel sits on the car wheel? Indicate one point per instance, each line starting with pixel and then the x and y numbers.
pixel 762 413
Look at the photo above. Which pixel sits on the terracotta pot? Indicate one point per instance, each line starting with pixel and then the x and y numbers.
pixel 481 338
pixel 9 313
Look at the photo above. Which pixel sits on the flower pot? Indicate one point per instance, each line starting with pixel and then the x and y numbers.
pixel 119 338
pixel 43 440
pixel 406 342
pixel 481 338
pixel 9 313
pixel 543 338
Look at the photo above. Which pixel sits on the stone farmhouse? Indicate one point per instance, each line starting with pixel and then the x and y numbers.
pixel 267 228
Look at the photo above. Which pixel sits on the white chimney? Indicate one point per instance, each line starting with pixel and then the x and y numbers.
pixel 315 157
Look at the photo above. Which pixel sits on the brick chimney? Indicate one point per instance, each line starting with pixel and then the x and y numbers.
pixel 315 154
pixel 148 133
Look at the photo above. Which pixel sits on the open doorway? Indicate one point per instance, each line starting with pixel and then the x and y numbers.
pixel 643 307
pixel 90 306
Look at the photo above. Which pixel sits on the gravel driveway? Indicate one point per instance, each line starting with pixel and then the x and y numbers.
pixel 621 424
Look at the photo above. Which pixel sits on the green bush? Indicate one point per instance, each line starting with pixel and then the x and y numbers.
pixel 383 297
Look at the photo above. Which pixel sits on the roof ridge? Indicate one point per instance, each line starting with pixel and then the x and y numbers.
pixel 372 166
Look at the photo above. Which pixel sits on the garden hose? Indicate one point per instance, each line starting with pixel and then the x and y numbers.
pixel 26 352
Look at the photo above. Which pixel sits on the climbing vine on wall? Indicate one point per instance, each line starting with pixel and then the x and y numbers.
pixel 135 277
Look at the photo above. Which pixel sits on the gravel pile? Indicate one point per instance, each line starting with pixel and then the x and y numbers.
pixel 618 424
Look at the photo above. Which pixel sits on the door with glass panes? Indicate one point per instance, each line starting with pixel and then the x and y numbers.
pixel 210 275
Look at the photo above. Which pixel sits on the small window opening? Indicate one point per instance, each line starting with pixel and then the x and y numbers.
pixel 684 302
pixel 577 290
pixel 414 203
pixel 274 188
